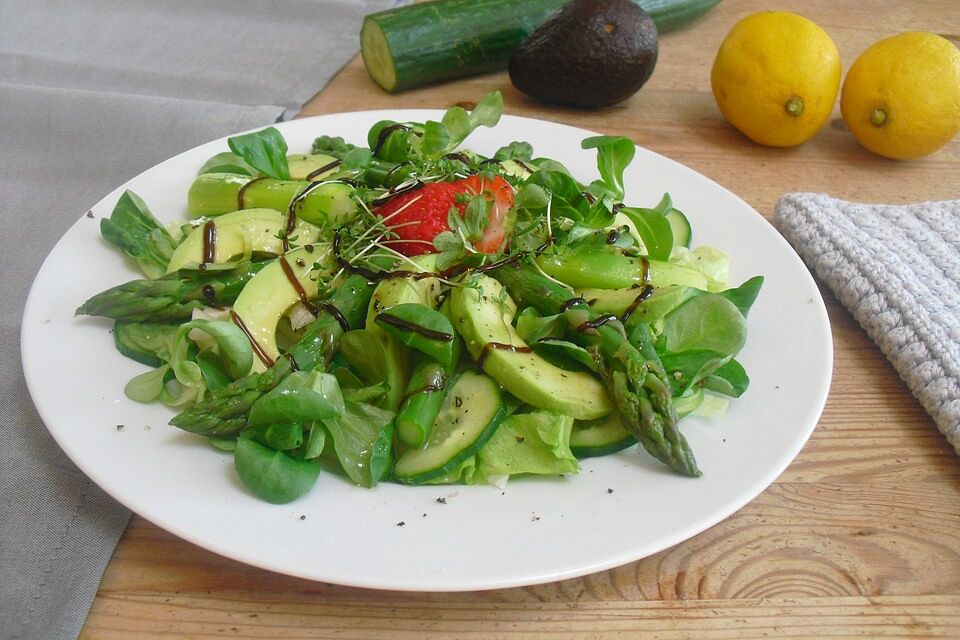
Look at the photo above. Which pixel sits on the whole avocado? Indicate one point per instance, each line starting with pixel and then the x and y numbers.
pixel 593 53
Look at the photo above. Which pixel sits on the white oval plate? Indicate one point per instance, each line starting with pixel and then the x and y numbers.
pixel 537 530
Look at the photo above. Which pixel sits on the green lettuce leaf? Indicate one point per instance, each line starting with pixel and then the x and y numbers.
pixel 536 443
pixel 265 151
pixel 713 263
pixel 133 228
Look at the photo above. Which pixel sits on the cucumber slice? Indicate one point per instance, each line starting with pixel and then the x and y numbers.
pixel 471 413
pixel 144 342
pixel 600 437
pixel 680 227
pixel 606 435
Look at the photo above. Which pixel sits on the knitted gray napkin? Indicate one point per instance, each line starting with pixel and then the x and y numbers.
pixel 897 268
pixel 91 94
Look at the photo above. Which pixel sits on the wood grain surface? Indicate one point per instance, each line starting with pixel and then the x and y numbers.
pixel 860 536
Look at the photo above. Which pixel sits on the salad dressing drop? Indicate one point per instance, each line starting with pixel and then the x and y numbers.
pixel 209 241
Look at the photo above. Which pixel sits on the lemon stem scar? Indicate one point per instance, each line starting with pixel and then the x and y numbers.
pixel 794 106
pixel 878 117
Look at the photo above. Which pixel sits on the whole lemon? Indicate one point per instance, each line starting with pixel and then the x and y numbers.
pixel 901 98
pixel 776 77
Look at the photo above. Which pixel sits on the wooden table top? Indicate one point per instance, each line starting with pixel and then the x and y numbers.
pixel 858 537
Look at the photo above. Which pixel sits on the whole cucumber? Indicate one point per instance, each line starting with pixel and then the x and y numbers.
pixel 429 42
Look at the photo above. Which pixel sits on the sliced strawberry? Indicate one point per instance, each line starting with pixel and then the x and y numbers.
pixel 418 216
pixel 499 191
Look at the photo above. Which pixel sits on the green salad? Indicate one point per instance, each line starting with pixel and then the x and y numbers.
pixel 412 311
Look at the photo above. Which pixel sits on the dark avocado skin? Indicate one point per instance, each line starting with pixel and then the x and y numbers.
pixel 593 53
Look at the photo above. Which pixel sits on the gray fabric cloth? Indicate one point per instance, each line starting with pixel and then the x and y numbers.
pixel 897 268
pixel 244 52
pixel 92 93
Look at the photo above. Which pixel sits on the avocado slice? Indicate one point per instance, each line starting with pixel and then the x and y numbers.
pixel 302 165
pixel 250 230
pixel 394 291
pixel 590 54
pixel 268 295
pixel 484 314
pixel 516 169
pixel 617 301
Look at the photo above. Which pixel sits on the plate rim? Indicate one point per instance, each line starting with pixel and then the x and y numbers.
pixel 695 527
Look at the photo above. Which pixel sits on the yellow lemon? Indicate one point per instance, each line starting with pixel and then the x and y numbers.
pixel 776 77
pixel 901 98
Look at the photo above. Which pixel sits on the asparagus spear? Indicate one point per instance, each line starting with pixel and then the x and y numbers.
pixel 173 297
pixel 425 393
pixel 224 412
pixel 634 377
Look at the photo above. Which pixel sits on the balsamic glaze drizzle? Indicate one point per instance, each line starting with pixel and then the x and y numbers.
pixel 462 157
pixel 597 322
pixel 293 363
pixel 209 241
pixel 322 170
pixel 385 133
pixel 337 315
pixel 572 302
pixel 499 263
pixel 295 283
pixel 525 166
pixel 403 325
pixel 645 293
pixel 209 294
pixel 257 349
pixel 397 166
pixel 499 346
pixel 243 190
pixel 346 265
pixel 392 192
pixel 427 388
